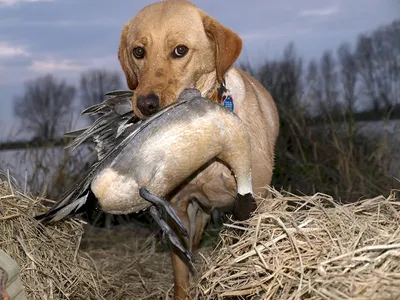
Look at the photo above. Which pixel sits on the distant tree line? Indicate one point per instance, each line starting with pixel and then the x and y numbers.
pixel 365 77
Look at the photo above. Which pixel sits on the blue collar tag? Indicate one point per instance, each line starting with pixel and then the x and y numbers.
pixel 225 96
pixel 228 102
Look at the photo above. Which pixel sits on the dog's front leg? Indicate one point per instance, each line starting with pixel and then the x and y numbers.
pixel 180 265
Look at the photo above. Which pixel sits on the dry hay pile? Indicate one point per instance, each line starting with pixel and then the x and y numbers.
pixel 293 248
pixel 308 248
pixel 69 260
pixel 53 266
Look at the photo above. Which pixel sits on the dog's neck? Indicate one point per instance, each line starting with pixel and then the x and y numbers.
pixel 207 84
pixel 211 88
pixel 219 92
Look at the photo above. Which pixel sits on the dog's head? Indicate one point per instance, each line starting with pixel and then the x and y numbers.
pixel 172 45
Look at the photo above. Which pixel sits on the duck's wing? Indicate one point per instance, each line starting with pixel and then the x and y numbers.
pixel 116 116
pixel 112 131
pixel 78 199
pixel 107 131
pixel 117 124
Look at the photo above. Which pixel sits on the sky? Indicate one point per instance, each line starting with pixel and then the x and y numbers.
pixel 66 37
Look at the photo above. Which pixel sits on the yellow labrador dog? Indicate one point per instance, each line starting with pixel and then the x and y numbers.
pixel 172 45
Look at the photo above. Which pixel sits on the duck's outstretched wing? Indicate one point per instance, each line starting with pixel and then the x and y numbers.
pixel 116 120
pixel 112 131
pixel 116 115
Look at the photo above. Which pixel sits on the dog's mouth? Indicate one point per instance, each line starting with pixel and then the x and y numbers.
pixel 146 106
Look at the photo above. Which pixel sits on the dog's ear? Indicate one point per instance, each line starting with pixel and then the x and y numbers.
pixel 126 60
pixel 228 45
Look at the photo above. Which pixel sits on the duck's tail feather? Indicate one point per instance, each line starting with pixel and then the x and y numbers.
pixel 115 116
pixel 85 204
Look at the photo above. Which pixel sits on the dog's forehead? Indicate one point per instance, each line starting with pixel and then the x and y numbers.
pixel 177 15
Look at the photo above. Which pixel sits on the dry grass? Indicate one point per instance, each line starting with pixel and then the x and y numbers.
pixel 70 260
pixel 293 248
pixel 132 262
pixel 51 265
pixel 308 248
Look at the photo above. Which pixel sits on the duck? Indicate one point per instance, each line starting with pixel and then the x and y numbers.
pixel 140 162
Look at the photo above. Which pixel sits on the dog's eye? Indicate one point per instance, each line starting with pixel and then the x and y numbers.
pixel 139 52
pixel 180 51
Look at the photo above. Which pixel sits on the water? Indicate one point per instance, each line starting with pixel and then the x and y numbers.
pixel 387 135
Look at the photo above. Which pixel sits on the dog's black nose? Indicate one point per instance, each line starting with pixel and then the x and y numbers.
pixel 148 104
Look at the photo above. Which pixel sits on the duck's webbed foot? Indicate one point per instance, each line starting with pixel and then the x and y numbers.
pixel 159 206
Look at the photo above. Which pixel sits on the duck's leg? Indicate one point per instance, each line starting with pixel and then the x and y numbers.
pixel 161 205
pixel 167 230
pixel 164 206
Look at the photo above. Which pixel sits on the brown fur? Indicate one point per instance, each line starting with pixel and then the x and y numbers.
pixel 213 49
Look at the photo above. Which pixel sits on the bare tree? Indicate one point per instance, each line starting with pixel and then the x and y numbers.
pixel 291 70
pixel 366 67
pixel 268 75
pixel 283 78
pixel 95 83
pixel 45 107
pixel 330 101
pixel 348 76
pixel 314 87
pixel 387 45
pixel 378 62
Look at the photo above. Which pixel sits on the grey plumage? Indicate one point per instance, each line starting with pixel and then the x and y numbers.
pixel 112 131
pixel 116 115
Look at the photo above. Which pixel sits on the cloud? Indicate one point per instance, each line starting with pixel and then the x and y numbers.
pixel 70 67
pixel 63 23
pixel 273 34
pixel 108 61
pixel 14 2
pixel 322 12
pixel 8 50
pixel 261 35
pixel 54 65
pixel 20 70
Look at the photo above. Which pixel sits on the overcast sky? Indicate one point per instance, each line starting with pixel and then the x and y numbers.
pixel 65 37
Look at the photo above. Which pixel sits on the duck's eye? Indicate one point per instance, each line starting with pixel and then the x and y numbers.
pixel 180 51
pixel 139 52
